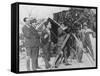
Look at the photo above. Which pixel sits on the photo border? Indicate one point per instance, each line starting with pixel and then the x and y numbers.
pixel 54 5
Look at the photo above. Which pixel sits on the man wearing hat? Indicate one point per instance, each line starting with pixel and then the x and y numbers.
pixel 32 42
pixel 86 40
pixel 45 44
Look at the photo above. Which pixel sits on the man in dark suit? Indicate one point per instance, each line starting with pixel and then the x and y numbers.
pixel 32 42
pixel 45 44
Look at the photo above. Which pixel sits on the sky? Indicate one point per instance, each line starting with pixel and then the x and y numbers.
pixel 37 12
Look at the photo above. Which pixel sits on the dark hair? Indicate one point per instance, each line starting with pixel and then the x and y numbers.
pixel 25 19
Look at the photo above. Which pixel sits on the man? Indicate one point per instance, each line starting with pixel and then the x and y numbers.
pixel 78 43
pixel 61 50
pixel 45 45
pixel 87 42
pixel 79 48
pixel 85 38
pixel 32 42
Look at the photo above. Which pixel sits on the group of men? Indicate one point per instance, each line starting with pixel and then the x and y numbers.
pixel 35 40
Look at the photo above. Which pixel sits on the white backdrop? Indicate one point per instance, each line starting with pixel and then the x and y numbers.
pixel 5 38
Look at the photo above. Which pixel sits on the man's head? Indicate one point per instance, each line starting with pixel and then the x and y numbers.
pixel 85 26
pixel 60 31
pixel 26 20
pixel 49 26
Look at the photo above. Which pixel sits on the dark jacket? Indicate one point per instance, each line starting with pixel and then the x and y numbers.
pixel 44 40
pixel 32 38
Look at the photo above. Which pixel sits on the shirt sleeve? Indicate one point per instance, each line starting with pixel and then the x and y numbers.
pixel 25 31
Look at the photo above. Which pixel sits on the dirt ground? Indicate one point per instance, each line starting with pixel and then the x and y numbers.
pixel 86 60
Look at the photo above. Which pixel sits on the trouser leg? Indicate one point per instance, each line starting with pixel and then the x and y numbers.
pixel 65 55
pixel 46 56
pixel 46 62
pixel 80 54
pixel 28 59
pixel 59 57
pixel 34 57
pixel 91 51
pixel 28 63
pixel 89 45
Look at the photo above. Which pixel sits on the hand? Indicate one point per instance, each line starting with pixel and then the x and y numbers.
pixel 45 36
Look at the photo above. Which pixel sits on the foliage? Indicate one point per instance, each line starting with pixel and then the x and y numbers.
pixel 77 15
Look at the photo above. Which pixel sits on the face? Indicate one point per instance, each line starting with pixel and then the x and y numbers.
pixel 60 30
pixel 85 27
pixel 27 21
pixel 34 25
pixel 49 25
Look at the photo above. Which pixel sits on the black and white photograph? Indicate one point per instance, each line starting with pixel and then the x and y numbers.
pixel 55 37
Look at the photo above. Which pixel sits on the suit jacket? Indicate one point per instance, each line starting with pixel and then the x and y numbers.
pixel 32 38
pixel 44 40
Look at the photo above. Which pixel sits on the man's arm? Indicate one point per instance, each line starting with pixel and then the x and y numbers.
pixel 25 31
pixel 91 32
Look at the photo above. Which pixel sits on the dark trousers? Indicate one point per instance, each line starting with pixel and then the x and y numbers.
pixel 59 56
pixel 66 54
pixel 32 52
pixel 46 55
